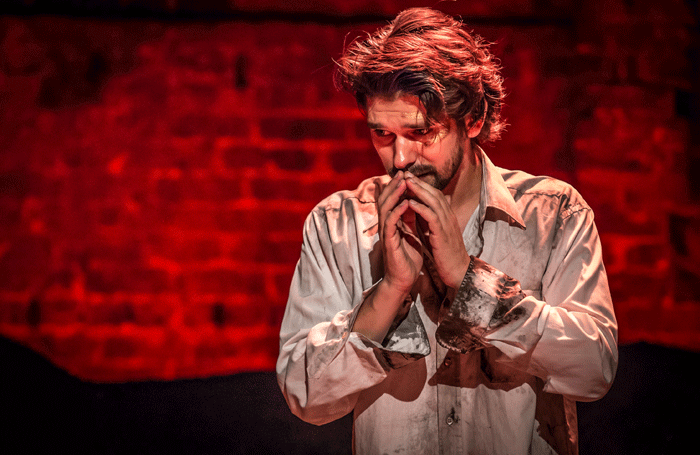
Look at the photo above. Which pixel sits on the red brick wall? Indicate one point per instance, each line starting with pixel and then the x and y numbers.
pixel 155 174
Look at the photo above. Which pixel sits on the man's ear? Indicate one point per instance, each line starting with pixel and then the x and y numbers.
pixel 474 127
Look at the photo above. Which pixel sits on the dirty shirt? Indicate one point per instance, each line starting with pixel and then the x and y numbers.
pixel 497 368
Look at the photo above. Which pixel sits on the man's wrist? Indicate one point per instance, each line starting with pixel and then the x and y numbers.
pixel 391 288
pixel 458 277
pixel 379 310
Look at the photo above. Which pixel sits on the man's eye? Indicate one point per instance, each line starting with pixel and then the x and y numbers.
pixel 422 134
pixel 380 133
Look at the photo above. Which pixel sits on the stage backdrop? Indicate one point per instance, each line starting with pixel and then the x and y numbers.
pixel 158 158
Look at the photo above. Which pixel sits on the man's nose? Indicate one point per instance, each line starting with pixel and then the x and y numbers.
pixel 405 153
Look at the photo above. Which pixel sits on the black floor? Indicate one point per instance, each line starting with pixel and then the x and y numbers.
pixel 651 409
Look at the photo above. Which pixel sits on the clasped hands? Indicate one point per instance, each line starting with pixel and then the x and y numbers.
pixel 412 212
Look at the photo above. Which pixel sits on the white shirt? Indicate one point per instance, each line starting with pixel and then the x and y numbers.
pixel 497 370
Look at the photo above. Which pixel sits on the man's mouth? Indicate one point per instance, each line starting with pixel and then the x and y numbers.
pixel 422 171
pixel 427 177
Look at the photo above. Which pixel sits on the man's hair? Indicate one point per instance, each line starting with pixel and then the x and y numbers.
pixel 426 53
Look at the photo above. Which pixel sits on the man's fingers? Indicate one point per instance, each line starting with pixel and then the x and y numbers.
pixel 428 215
pixel 391 186
pixel 392 219
pixel 390 195
pixel 430 196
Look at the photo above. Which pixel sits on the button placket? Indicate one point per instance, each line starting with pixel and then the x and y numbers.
pixel 449 404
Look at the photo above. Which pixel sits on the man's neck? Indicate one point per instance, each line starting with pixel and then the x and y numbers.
pixel 464 195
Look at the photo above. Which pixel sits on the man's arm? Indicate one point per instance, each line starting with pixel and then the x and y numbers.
pixel 321 367
pixel 568 337
pixel 323 364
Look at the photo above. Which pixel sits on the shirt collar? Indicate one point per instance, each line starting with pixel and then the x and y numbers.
pixel 496 202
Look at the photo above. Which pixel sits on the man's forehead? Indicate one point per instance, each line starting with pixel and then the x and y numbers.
pixel 406 109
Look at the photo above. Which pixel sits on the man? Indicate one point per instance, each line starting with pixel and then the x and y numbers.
pixel 453 306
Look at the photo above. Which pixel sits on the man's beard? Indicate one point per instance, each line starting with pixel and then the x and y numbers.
pixel 430 174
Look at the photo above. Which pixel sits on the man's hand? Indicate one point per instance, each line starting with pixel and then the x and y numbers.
pixel 398 236
pixel 441 229
pixel 403 260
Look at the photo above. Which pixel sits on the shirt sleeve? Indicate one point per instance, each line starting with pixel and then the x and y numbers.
pixel 323 365
pixel 568 338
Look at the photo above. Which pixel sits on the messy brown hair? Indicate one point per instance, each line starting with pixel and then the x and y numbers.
pixel 426 53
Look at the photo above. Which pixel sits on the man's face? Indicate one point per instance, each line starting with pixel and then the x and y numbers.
pixel 405 141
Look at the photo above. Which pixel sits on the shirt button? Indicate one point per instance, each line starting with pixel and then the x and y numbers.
pixel 450 420
pixel 448 362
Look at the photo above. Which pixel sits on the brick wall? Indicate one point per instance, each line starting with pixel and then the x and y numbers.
pixel 155 174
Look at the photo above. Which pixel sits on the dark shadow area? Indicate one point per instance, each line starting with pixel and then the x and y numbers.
pixel 651 409
pixel 44 410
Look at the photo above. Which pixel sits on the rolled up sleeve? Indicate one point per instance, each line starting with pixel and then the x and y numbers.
pixel 568 337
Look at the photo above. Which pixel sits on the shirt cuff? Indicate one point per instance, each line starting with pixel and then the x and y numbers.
pixel 406 342
pixel 485 300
